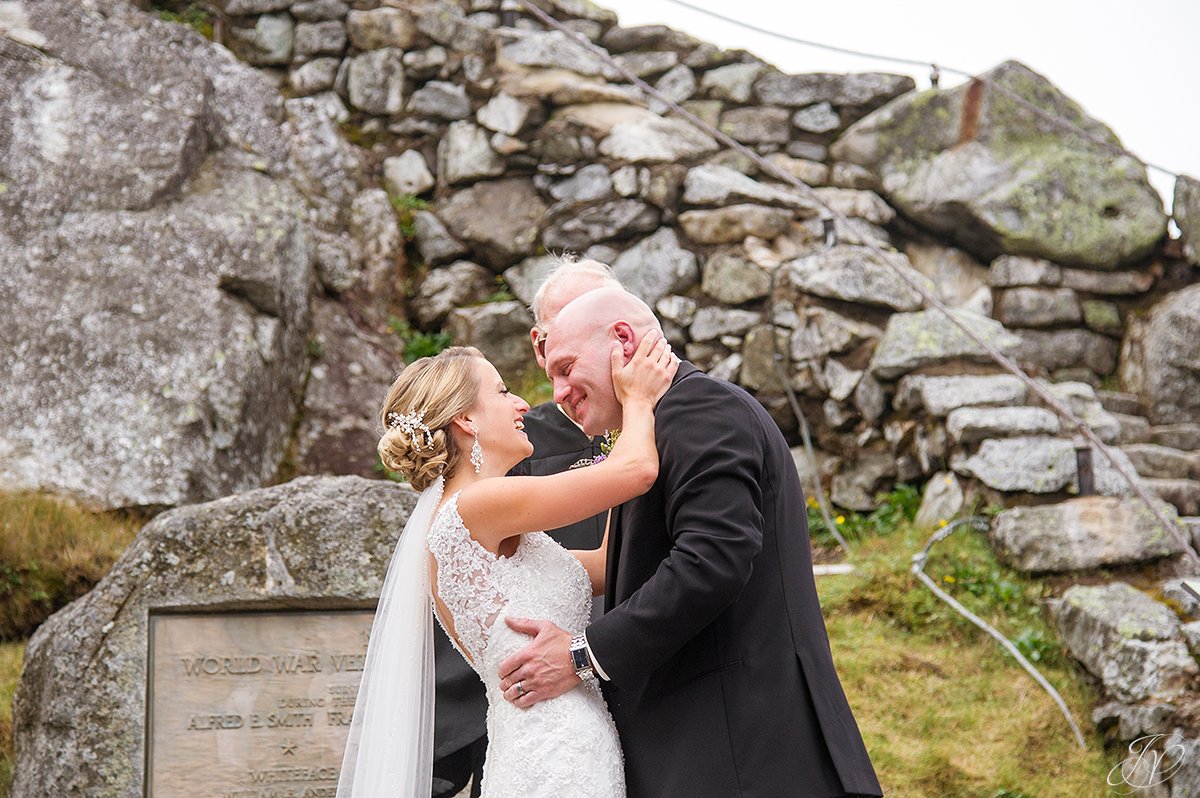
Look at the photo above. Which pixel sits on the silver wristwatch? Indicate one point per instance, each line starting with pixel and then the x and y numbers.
pixel 580 659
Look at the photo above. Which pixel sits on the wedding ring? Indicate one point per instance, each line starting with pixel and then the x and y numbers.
pixel 520 689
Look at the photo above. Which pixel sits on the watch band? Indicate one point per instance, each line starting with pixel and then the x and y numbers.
pixel 580 659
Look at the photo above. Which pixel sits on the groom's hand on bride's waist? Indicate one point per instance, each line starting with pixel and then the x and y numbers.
pixel 541 670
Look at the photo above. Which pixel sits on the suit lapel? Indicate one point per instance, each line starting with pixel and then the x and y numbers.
pixel 614 555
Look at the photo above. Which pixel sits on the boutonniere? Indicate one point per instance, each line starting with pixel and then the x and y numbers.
pixel 606 446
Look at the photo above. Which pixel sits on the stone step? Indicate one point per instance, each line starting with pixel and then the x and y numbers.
pixel 1163 462
pixel 1119 402
pixel 1178 436
pixel 1134 429
pixel 1184 494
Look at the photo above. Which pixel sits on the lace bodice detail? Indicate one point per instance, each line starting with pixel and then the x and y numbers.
pixel 564 746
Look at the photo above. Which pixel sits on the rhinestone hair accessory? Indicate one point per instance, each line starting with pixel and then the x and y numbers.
pixel 411 424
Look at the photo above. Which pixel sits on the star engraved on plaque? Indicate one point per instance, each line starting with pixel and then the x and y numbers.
pixel 251 704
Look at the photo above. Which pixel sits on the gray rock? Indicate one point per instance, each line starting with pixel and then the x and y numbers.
pixel 621 218
pixel 446 24
pixel 856 485
pixel 869 399
pixel 268 42
pixel 731 279
pixel 587 10
pixel 375 81
pixel 855 274
pixel 734 83
pixel 810 173
pixel 840 381
pixel 851 175
pixel 500 330
pixel 678 309
pixel 465 155
pixel 498 218
pixel 822 332
pixel 1122 283
pixel 1161 362
pixel 727 369
pixel 808 150
pixel 713 322
pixel 273 548
pixel 1130 722
pixel 1187 215
pixel 461 283
pixel 503 113
pixel 337 432
pixel 1082 534
pixel 1126 639
pixel 242 8
pixel 651 140
pixel 424 64
pixel 677 85
pixel 315 76
pixel 941 502
pixel 1038 465
pixel 1119 402
pixel 657 266
pixel 1184 494
pixel 526 277
pixel 1081 399
pixel 376 232
pixel 649 63
pixel 857 204
pixel 759 371
pixel 870 89
pixel 819 118
pixel 1006 185
pixel 407 173
pixel 1038 307
pixel 710 184
pixel 957 277
pixel 1132 429
pixel 972 424
pixel 592 182
pixel 1057 349
pixel 756 125
pixel 914 340
pixel 1153 460
pixel 319 38
pixel 319 10
pixel 939 396
pixel 734 223
pixel 337 263
pixel 327 169
pixel 435 243
pixel 1180 436
pixel 1175 595
pixel 645 37
pixel 1008 271
pixel 441 99
pixel 1102 317
pixel 553 50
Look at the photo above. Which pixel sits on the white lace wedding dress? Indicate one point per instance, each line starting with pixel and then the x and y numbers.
pixel 565 746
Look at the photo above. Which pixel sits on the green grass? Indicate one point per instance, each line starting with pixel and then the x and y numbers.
pixel 943 709
pixel 51 552
pixel 10 671
pixel 193 16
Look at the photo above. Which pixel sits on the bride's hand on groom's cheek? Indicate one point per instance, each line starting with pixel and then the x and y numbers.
pixel 541 670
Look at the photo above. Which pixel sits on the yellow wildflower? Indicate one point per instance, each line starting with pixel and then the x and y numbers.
pixel 841 519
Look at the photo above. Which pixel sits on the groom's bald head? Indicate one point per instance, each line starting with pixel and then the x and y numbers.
pixel 578 351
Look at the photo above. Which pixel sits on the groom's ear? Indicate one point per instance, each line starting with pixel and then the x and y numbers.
pixel 627 337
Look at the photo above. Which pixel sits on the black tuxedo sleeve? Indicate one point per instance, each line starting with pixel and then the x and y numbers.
pixel 711 462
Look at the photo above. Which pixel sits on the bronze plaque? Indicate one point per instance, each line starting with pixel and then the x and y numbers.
pixel 252 704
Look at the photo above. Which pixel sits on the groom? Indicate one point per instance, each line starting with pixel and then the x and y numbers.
pixel 712 651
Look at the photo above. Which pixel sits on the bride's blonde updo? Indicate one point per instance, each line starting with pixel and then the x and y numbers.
pixel 437 388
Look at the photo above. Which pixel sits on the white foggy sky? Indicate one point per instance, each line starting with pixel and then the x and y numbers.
pixel 1132 64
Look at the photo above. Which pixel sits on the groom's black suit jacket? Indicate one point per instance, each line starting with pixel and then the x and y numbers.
pixel 722 682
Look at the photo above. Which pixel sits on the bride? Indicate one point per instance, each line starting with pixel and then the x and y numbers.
pixel 473 544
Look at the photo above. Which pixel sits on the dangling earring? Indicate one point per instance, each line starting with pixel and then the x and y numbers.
pixel 476 452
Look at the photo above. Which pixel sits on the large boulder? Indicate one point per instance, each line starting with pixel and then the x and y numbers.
pixel 1161 362
pixel 79 714
pixel 1126 639
pixel 975 165
pixel 499 218
pixel 1187 215
pixel 927 338
pixel 1082 534
pixel 157 262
